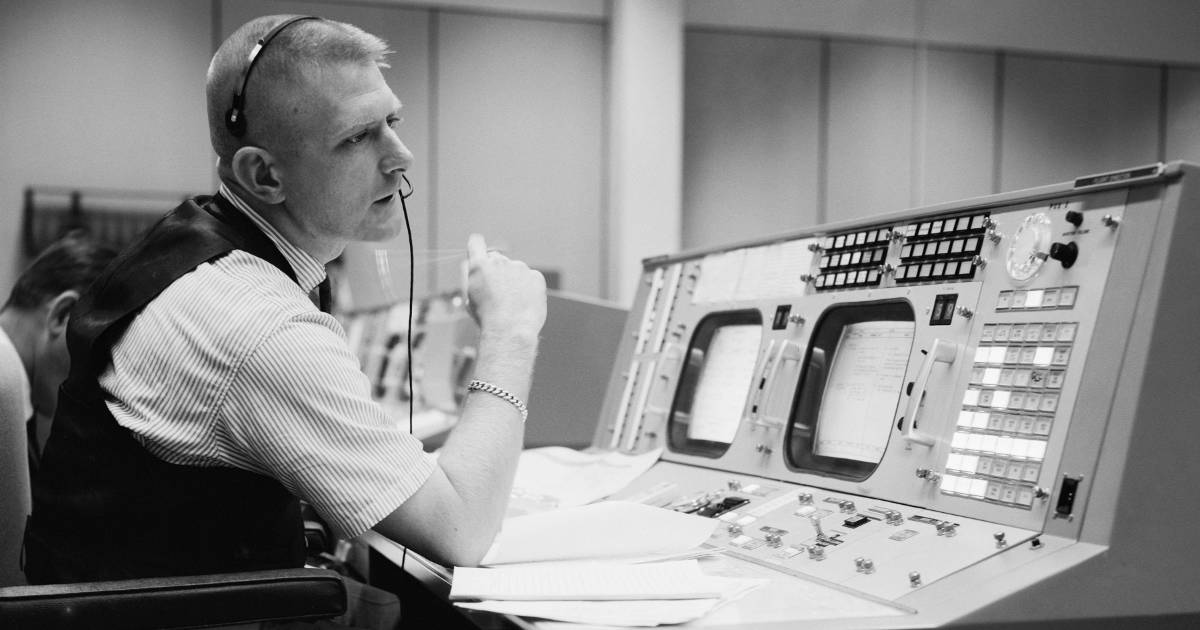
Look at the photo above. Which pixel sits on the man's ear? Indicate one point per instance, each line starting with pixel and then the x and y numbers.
pixel 255 170
pixel 58 312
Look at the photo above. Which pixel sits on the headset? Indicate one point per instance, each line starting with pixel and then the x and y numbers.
pixel 235 118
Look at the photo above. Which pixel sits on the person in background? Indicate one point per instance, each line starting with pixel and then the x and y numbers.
pixel 208 392
pixel 33 363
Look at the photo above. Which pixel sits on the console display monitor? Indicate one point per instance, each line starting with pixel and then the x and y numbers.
pixel 847 397
pixel 715 383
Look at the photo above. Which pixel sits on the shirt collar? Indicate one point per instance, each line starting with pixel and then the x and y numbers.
pixel 309 271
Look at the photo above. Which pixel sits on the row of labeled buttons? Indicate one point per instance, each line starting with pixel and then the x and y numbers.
pixel 940 226
pixel 1016 424
pixel 1002 445
pixel 1060 297
pixel 947 247
pixel 1028 333
pixel 1013 470
pixel 850 259
pixel 867 237
pixel 848 278
pixel 1017 377
pixel 1039 356
pixel 989 490
pixel 951 269
pixel 1009 399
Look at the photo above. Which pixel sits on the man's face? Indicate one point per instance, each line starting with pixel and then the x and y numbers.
pixel 341 161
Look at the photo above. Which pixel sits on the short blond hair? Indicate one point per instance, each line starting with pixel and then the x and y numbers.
pixel 308 43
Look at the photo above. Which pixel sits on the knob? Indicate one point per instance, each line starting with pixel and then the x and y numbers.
pixel 858 563
pixel 774 539
pixel 815 247
pixel 868 566
pixel 1074 217
pixel 734 529
pixel 914 578
pixel 807 278
pixel 1110 221
pixel 1036 543
pixel 763 448
pixel 1000 540
pixel 796 318
pixel 846 506
pixel 805 498
pixel 734 484
pixel 949 530
pixel 816 552
pixel 965 312
pixel 1064 253
pixel 1041 493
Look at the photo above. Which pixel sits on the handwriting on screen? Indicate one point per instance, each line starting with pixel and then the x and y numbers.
pixel 864 386
pixel 724 381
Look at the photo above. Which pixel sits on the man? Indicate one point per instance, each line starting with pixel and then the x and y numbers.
pixel 33 362
pixel 207 391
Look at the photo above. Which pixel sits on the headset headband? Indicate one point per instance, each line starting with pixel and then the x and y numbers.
pixel 235 118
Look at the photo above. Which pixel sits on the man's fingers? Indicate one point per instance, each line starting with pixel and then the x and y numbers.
pixel 476 250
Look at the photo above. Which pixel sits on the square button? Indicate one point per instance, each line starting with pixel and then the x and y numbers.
pixel 1024 496
pixel 1050 298
pixel 1006 377
pixel 977 488
pixel 1015 471
pixel 971 398
pixel 1025 425
pixel 1041 426
pixel 999 398
pixel 984 467
pixel 959 441
pixel 924 270
pixel 1049 403
pixel 968 463
pixel 988 333
pixel 1066 332
pixel 1032 401
pixel 1004 301
pixel 987 443
pixel 982 354
pixel 1003 354
pixel 990 376
pixel 1017 400
pixel 966 418
pixel 1062 354
pixel 994 490
pixel 1031 472
pixel 1018 299
pixel 1054 379
pixel 1012 354
pixel 1028 354
pixel 1037 450
pixel 985 398
pixel 943 247
pixel 1067 296
pixel 975 442
pixel 1033 298
pixel 939 269
pixel 956 246
pixel 977 374
pixel 1021 377
pixel 1010 423
pixel 1002 331
pixel 981 420
pixel 1037 378
pixel 996 421
pixel 1043 355
pixel 1049 332
pixel 1009 494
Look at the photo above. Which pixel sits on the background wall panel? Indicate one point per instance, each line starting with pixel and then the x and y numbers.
pixel 1183 115
pixel 955 144
pixel 1062 119
pixel 751 116
pixel 869 168
pixel 519 148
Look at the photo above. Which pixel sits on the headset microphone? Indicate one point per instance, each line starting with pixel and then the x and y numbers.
pixel 235 118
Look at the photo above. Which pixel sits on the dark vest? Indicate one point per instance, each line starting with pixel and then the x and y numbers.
pixel 104 507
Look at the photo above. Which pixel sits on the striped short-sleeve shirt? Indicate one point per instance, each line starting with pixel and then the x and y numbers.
pixel 232 365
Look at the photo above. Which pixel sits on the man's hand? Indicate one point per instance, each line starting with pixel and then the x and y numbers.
pixel 507 298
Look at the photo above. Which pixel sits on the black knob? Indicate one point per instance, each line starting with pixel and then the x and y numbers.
pixel 1064 253
pixel 1074 217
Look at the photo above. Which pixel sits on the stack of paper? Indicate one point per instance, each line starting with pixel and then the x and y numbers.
pixel 557 477
pixel 593 564
pixel 599 593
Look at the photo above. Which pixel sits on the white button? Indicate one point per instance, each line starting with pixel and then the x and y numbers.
pixel 966 418
pixel 1037 450
pixel 981 420
pixel 1066 297
pixel 975 441
pixel 1000 399
pixel 1004 445
pixel 1066 332
pixel 971 398
pixel 1043 356
pixel 968 462
pixel 1033 298
pixel 959 440
pixel 996 354
pixel 991 376
pixel 978 488
pixel 987 444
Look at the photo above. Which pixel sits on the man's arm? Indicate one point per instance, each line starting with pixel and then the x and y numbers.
pixel 455 515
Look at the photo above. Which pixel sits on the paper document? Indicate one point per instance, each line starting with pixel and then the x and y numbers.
pixel 725 380
pixel 592 581
pixel 555 476
pixel 609 529
pixel 644 613
pixel 864 386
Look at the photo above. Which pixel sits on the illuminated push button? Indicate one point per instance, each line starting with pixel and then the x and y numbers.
pixel 999 399
pixel 996 421
pixel 954 461
pixel 1066 332
pixel 1037 450
pixel 981 420
pixel 985 398
pixel 971 397
pixel 1025 496
pixel 968 463
pixel 1061 356
pixel 988 333
pixel 1019 448
pixel 1010 423
pixel 1016 400
pixel 978 488
pixel 959 441
pixel 983 354
pixel 1017 333
pixel 990 376
pixel 994 490
pixel 1012 354
pixel 1050 298
pixel 1006 377
pixel 1054 379
pixel 1004 301
pixel 1032 401
pixel 1049 403
pixel 1043 355
pixel 1018 299
pixel 1042 426
pixel 1033 298
pixel 1004 445
pixel 1028 355
pixel 986 443
pixel 1025 425
pixel 966 418
pixel 1037 379
pixel 975 442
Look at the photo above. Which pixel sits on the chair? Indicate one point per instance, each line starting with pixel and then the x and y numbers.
pixel 177 602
